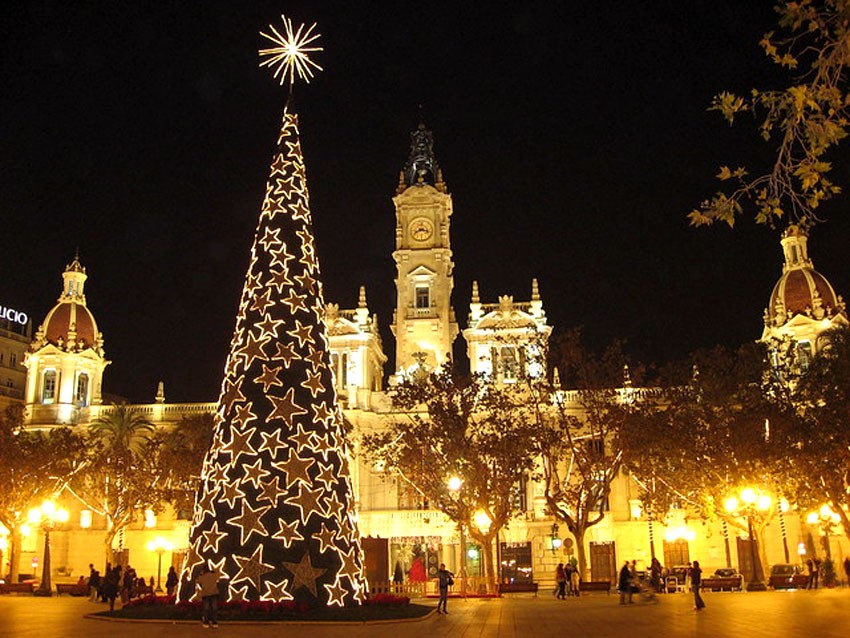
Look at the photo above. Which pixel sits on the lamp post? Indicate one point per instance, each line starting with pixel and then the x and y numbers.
pixel 557 543
pixel 47 516
pixel 826 519
pixel 748 506
pixel 160 546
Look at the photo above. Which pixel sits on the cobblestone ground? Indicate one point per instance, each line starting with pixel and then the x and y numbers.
pixel 815 614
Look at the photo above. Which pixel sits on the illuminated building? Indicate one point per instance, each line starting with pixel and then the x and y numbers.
pixel 15 337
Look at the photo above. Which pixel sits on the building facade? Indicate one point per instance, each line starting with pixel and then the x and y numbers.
pixel 402 534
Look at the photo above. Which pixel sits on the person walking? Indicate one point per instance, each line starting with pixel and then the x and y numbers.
pixel 207 585
pixel 847 569
pixel 624 584
pixel 561 579
pixel 696 583
pixel 445 580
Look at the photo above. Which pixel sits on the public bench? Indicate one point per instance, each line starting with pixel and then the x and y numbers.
pixel 595 585
pixel 16 588
pixel 510 588
pixel 719 583
pixel 73 589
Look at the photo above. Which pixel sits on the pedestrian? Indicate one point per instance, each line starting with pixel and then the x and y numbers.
pixel 445 580
pixel 207 585
pixel 655 571
pixel 847 569
pixel 815 573
pixel 94 583
pixel 561 580
pixel 111 585
pixel 624 585
pixel 171 581
pixel 575 581
pixel 696 583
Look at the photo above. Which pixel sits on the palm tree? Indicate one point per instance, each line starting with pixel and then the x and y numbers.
pixel 123 431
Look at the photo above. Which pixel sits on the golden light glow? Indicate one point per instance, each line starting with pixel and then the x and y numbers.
pixel 85 519
pixel 455 483
pixel 731 504
pixel 764 502
pixel 482 521
pixel 748 495
pixel 159 544
pixel 679 532
pixel 290 57
pixel 812 518
pixel 150 519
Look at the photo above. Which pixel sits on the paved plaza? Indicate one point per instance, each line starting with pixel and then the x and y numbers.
pixel 815 614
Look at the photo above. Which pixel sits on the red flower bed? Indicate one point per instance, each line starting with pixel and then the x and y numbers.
pixel 387 600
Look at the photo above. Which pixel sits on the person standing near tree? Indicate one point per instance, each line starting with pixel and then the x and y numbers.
pixel 561 579
pixel 171 581
pixel 696 583
pixel 445 580
pixel 207 585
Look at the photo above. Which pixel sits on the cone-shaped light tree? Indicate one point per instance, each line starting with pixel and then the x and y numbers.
pixel 274 512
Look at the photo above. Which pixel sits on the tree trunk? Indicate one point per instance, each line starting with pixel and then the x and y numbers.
pixel 581 555
pixel 107 547
pixel 14 554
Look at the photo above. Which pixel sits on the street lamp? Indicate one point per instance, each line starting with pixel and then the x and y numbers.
pixel 826 519
pixel 47 516
pixel 160 546
pixel 751 503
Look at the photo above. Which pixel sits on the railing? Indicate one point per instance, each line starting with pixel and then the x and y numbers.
pixel 470 586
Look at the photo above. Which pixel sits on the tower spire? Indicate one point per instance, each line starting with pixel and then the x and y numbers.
pixel 421 167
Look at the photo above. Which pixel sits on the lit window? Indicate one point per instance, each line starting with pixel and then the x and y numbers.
pixel 423 297
pixel 48 391
pixel 82 391
pixel 804 355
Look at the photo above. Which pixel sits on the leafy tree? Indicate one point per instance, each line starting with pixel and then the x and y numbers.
pixel 181 457
pixel 578 434
pixel 459 426
pixel 707 435
pixel 805 120
pixel 819 439
pixel 34 465
pixel 122 475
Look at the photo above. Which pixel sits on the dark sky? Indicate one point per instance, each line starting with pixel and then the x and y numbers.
pixel 574 138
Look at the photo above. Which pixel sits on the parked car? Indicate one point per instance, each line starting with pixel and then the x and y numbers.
pixel 785 576
pixel 732 579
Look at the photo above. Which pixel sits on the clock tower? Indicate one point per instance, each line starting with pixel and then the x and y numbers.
pixel 424 321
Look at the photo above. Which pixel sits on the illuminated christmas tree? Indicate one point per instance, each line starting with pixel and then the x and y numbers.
pixel 274 512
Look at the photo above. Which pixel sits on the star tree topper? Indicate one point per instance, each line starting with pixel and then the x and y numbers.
pixel 291 55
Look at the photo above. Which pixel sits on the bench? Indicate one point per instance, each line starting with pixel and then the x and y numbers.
pixel 73 589
pixel 719 583
pixel 16 588
pixel 510 588
pixel 595 585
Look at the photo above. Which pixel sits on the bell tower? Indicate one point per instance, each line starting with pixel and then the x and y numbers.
pixel 424 321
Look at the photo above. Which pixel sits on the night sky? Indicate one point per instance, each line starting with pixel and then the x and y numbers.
pixel 573 137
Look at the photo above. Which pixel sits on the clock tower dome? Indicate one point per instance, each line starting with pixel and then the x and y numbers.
pixel 424 321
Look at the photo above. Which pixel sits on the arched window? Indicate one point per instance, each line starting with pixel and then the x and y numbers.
pixel 81 393
pixel 48 387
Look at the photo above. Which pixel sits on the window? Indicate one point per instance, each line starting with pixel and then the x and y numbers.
pixel 423 297
pixel 803 355
pixel 409 498
pixel 48 389
pixel 81 394
pixel 13 360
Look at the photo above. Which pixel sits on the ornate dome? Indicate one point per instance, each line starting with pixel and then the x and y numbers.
pixel 801 290
pixel 70 325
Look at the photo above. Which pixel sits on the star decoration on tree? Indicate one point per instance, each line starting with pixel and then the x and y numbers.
pixel 304 574
pixel 291 55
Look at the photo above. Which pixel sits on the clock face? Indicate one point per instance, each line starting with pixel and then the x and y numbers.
pixel 421 229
